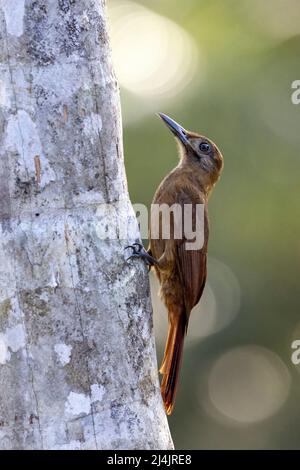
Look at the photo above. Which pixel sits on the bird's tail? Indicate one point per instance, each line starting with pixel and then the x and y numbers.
pixel 172 360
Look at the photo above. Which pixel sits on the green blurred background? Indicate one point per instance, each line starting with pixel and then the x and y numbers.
pixel 224 68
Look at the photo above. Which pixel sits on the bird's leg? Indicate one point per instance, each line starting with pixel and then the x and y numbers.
pixel 138 251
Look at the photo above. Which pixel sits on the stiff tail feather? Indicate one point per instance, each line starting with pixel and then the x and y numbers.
pixel 172 361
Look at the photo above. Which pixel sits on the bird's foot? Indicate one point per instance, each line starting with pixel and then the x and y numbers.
pixel 138 251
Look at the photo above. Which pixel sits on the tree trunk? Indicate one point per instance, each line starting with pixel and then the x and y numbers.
pixel 77 356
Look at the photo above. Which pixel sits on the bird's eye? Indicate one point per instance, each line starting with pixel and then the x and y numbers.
pixel 204 147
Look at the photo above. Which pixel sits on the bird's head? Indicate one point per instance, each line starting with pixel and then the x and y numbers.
pixel 197 150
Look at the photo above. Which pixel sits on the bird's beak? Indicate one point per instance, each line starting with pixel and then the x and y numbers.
pixel 175 128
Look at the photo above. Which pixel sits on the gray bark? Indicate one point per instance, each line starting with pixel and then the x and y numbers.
pixel 77 356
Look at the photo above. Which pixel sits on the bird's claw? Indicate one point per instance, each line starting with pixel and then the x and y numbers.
pixel 139 245
pixel 138 251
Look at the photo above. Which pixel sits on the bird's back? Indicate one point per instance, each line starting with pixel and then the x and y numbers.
pixel 180 187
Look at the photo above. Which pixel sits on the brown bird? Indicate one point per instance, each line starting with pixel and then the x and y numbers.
pixel 181 271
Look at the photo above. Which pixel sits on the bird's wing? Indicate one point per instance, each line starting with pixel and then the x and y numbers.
pixel 191 264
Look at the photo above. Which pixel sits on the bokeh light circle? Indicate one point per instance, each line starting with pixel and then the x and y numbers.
pixel 248 384
pixel 153 56
pixel 225 287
